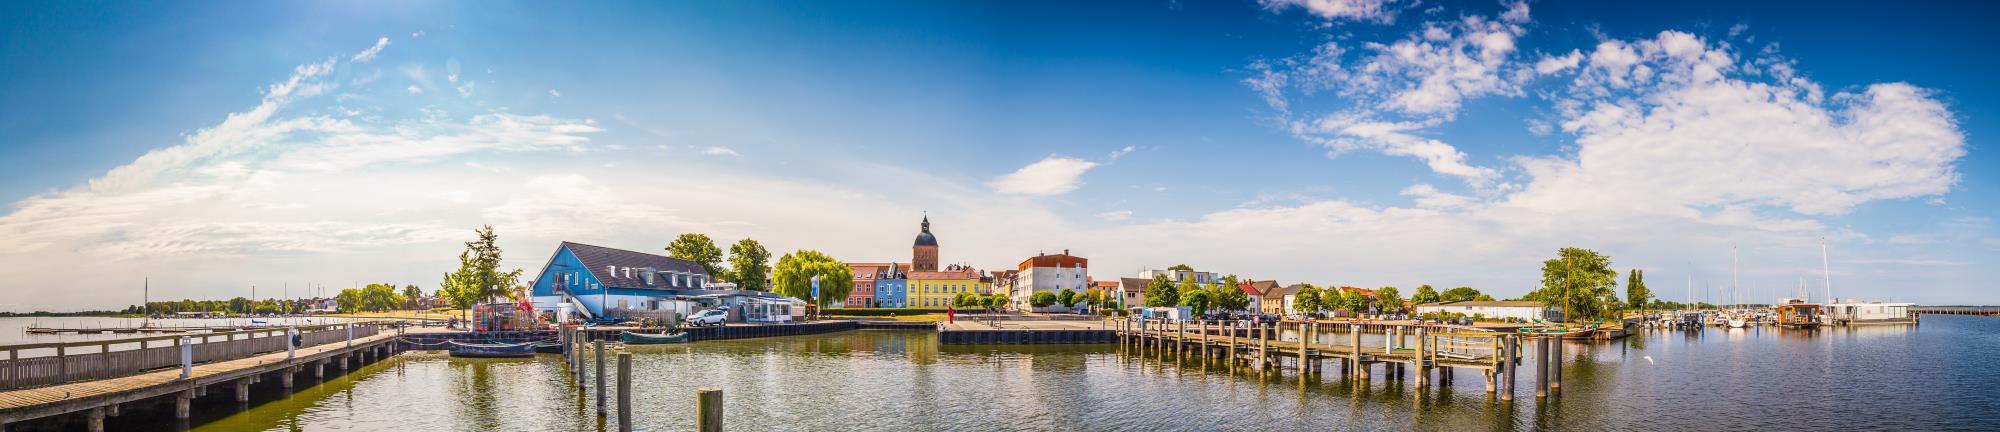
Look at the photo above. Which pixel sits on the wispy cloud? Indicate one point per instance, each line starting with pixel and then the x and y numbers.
pixel 1054 175
pixel 720 151
pixel 1115 154
pixel 368 55
pixel 1116 215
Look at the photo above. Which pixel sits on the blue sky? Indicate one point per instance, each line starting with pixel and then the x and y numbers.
pixel 217 146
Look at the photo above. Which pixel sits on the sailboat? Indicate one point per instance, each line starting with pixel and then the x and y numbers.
pixel 1735 317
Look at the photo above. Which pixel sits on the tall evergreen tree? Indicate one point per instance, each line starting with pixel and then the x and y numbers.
pixel 1636 292
pixel 478 278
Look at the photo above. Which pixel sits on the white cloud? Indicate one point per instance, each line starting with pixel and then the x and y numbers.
pixel 1904 262
pixel 369 54
pixel 414 89
pixel 1054 175
pixel 719 151
pixel 416 34
pixel 554 93
pixel 1738 29
pixel 1428 196
pixel 1357 10
pixel 1116 215
pixel 1115 154
pixel 1553 64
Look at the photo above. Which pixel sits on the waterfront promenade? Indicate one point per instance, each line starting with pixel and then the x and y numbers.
pixel 95 399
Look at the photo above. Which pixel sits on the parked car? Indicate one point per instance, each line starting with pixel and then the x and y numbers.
pixel 707 317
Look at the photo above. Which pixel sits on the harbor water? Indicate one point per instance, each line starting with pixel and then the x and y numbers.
pixel 1935 376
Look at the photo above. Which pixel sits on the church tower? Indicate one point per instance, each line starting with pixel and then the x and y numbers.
pixel 924 255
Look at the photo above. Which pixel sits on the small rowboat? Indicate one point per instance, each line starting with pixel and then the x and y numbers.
pixel 649 339
pixel 461 349
pixel 548 347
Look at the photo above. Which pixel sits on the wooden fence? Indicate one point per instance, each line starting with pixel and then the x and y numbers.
pixel 40 364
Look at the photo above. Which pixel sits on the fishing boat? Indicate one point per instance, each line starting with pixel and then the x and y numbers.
pixel 650 339
pixel 548 347
pixel 461 349
pixel 1738 322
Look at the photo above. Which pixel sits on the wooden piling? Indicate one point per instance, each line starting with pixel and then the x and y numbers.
pixel 1556 367
pixel 599 346
pixel 1542 367
pixel 1423 370
pixel 624 392
pixel 243 390
pixel 1507 363
pixel 708 410
pixel 96 419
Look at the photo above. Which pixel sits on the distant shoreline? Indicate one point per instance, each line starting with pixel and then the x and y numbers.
pixel 47 314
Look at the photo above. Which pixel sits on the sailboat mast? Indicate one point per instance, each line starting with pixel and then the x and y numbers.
pixel 145 303
pixel 1826 271
pixel 1732 277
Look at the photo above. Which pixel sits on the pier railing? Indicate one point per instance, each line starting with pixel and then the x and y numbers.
pixel 39 364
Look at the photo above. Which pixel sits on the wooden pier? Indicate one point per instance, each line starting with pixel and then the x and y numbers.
pixel 1977 311
pixel 1311 347
pixel 114 378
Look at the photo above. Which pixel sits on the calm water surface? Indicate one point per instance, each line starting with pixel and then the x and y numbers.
pixel 1936 376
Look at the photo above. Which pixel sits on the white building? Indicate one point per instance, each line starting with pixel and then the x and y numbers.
pixel 1175 276
pixel 1519 310
pixel 1051 274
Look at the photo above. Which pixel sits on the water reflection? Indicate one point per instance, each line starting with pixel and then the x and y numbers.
pixel 1876 378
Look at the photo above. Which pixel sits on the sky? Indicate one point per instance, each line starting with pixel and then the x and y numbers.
pixel 208 148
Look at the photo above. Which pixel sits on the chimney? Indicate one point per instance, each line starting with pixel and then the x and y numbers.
pixel 1065 251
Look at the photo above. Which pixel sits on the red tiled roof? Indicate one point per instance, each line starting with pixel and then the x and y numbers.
pixel 1057 260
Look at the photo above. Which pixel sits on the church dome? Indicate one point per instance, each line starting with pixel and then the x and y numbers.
pixel 925 238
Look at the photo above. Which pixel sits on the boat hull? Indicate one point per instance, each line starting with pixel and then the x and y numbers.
pixel 653 339
pixel 458 349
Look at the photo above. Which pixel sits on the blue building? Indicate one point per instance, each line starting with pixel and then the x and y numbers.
pixel 892 293
pixel 594 279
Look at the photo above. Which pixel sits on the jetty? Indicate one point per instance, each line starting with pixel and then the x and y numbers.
pixel 89 381
pixel 1312 347
pixel 1992 311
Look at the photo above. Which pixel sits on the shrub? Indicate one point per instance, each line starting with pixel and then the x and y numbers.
pixel 1041 299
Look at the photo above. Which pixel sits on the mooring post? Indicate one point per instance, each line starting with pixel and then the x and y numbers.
pixel 285 377
pixel 624 392
pixel 1512 349
pixel 187 357
pixel 319 369
pixel 599 346
pixel 1541 367
pixel 1556 367
pixel 350 334
pixel 708 410
pixel 243 390
pixel 1422 367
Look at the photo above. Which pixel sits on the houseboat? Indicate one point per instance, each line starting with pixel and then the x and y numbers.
pixel 1796 313
pixel 1856 313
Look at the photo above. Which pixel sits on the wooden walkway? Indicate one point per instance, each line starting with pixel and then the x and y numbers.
pixel 100 398
pixel 1978 311
pixel 1311 346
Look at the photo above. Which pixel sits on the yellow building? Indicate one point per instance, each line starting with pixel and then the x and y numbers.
pixel 936 289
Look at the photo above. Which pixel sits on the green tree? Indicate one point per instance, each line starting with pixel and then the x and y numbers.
pixel 1161 293
pixel 1230 295
pixel 1354 301
pixel 411 295
pixel 1180 267
pixel 1425 294
pixel 238 305
pixel 349 300
pixel 1067 297
pixel 377 297
pixel 1388 300
pixel 701 250
pixel 1307 301
pixel 999 301
pixel 751 264
pixel 965 299
pixel 478 278
pixel 1181 291
pixel 1579 282
pixel 1197 301
pixel 1460 294
pixel 1635 289
pixel 793 277
pixel 1041 299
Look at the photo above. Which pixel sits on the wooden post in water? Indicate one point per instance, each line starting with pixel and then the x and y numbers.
pixel 243 390
pixel 708 410
pixel 1512 350
pixel 624 392
pixel 1303 366
pixel 1263 348
pixel 599 346
pixel 1556 367
pixel 1542 367
pixel 1423 369
pixel 96 419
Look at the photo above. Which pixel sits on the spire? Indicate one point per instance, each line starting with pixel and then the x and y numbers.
pixel 927 221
